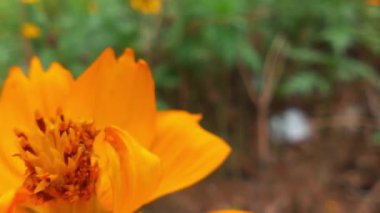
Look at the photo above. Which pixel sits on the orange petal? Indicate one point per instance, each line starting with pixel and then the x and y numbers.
pixel 50 88
pixel 8 178
pixel 117 92
pixel 133 172
pixel 187 152
pixel 6 198
pixel 16 201
pixel 35 68
pixel 21 201
pixel 15 111
pixel 43 91
pixel 230 211
pixel 17 97
pixel 21 97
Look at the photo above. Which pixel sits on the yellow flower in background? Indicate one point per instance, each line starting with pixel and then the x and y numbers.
pixel 96 144
pixel 147 6
pixel 30 30
pixel 93 7
pixel 374 2
pixel 30 1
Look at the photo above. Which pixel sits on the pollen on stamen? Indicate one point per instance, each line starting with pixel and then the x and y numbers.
pixel 59 162
pixel 23 141
pixel 40 122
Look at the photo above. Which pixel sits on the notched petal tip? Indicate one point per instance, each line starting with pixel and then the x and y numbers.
pixel 108 50
pixel 128 57
pixel 16 76
pixel 56 68
pixel 142 63
pixel 115 91
pixel 55 65
pixel 197 117
pixel 107 53
pixel 35 67
pixel 14 71
pixel 129 53
pixel 144 67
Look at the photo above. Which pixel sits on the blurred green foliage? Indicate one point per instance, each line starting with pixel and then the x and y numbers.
pixel 329 41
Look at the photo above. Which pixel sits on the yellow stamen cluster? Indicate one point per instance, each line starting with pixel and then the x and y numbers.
pixel 58 157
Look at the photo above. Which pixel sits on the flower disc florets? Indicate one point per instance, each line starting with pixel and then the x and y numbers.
pixel 59 159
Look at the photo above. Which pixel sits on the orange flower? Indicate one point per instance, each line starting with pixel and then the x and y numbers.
pixel 96 144
pixel 147 6
pixel 30 30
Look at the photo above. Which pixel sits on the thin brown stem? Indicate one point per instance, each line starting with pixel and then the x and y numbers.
pixel 273 68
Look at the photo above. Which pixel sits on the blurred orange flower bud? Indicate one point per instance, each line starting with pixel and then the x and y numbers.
pixel 30 30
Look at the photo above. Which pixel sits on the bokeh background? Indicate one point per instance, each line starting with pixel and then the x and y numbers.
pixel 292 85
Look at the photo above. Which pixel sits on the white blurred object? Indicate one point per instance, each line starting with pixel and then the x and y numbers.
pixel 292 126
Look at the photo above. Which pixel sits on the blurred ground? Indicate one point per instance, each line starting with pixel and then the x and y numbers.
pixel 339 174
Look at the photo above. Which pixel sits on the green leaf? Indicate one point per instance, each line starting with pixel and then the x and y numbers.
pixel 376 138
pixel 339 37
pixel 349 69
pixel 307 55
pixel 165 78
pixel 305 83
pixel 162 105
pixel 250 57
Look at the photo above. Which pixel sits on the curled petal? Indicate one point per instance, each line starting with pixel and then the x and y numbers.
pixel 129 172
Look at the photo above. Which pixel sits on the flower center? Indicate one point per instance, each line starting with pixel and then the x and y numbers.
pixel 59 159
